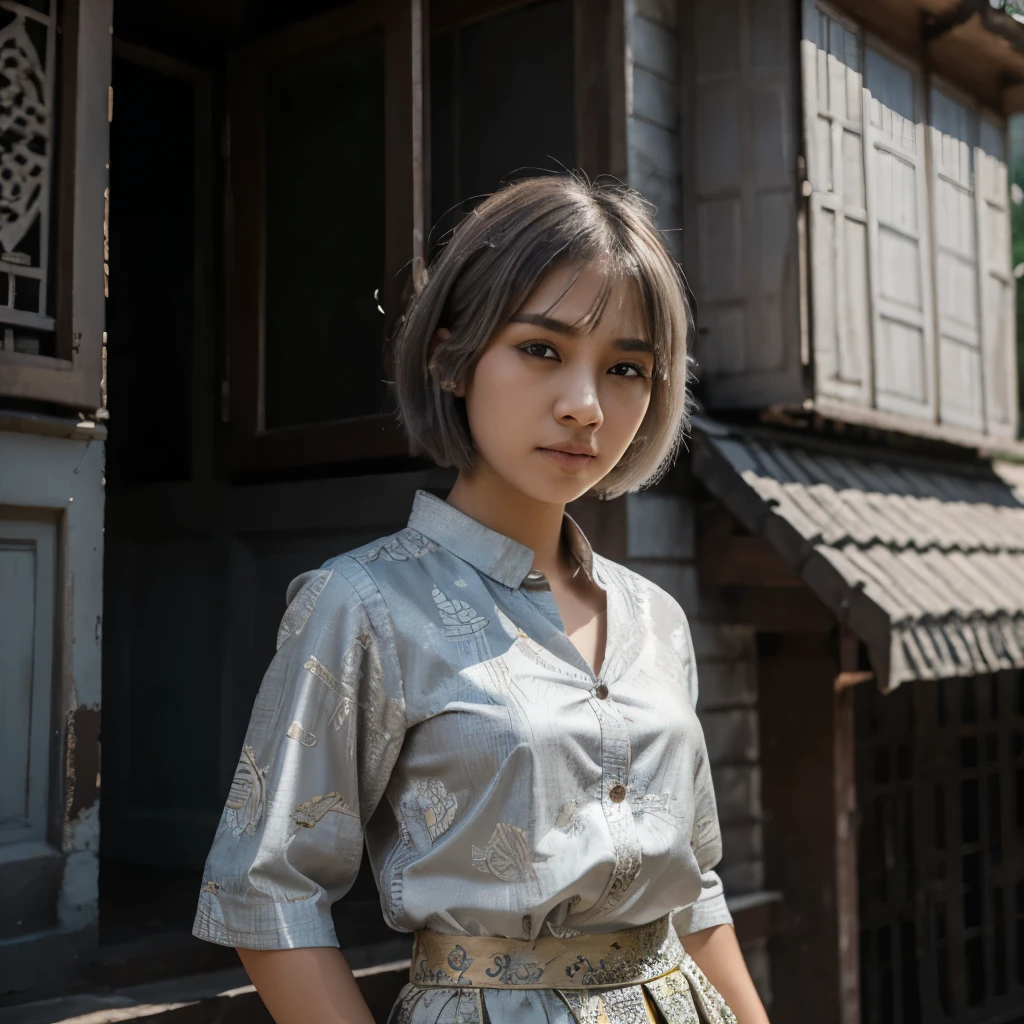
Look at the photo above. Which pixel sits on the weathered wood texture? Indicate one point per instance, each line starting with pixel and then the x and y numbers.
pixel 739 146
pixel 806 735
pixel 653 113
pixel 906 263
pixel 600 84
pixel 971 43
pixel 909 268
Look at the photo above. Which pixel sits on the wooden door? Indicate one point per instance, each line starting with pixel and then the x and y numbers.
pixel 208 516
pixel 196 566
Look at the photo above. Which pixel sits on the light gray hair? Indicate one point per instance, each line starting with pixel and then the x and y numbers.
pixel 494 260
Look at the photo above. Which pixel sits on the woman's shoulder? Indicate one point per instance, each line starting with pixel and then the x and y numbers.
pixel 353 582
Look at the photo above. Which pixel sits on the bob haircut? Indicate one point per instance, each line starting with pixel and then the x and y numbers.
pixel 494 260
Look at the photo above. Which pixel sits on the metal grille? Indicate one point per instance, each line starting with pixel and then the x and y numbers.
pixel 27 71
pixel 940 790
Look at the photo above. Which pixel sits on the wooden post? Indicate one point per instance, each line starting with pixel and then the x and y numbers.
pixel 601 87
pixel 808 790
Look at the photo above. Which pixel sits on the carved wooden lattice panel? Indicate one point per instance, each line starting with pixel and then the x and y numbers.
pixel 940 789
pixel 27 71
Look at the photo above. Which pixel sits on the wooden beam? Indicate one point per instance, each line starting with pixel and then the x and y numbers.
pixel 446 15
pixel 807 772
pixel 844 788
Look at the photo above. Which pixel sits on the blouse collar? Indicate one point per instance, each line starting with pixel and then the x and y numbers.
pixel 503 559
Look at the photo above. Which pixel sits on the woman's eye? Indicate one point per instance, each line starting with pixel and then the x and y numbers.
pixel 539 348
pixel 629 370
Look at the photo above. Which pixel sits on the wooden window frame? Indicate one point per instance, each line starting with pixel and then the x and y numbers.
pixel 865 409
pixel 204 291
pixel 599 72
pixel 600 118
pixel 79 182
pixel 252 446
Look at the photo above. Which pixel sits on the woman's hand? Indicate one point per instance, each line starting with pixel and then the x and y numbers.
pixel 300 986
pixel 716 952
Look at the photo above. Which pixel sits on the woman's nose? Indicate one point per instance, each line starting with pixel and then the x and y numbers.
pixel 579 401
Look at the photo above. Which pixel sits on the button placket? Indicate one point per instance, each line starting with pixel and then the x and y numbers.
pixel 615 761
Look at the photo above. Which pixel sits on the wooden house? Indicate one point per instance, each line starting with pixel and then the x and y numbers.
pixel 208 214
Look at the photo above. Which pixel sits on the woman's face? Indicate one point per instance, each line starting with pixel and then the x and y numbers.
pixel 552 409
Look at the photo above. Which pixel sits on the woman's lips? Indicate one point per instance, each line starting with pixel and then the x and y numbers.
pixel 572 463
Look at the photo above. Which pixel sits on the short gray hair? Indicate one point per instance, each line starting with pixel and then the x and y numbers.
pixel 494 260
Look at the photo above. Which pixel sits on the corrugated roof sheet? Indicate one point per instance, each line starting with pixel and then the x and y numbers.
pixel 924 562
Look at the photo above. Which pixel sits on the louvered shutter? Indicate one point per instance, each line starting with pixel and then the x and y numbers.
pixel 953 135
pixel 898 218
pixel 998 312
pixel 834 128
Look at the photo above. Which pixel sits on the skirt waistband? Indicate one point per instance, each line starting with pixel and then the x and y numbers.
pixel 612 959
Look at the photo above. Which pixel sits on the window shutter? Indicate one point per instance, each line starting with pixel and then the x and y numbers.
pixel 838 227
pixel 953 135
pixel 998 335
pixel 898 218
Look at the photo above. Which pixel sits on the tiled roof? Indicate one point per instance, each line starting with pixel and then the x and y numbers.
pixel 924 561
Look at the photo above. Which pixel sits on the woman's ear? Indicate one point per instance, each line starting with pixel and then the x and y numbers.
pixel 441 336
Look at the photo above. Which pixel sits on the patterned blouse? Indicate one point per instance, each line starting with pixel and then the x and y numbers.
pixel 426 699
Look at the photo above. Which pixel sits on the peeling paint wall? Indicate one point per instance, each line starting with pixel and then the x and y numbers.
pixel 51 527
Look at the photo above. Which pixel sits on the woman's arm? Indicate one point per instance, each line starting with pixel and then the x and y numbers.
pixel 303 985
pixel 717 953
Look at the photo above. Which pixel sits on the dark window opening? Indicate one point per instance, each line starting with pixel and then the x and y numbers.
pixel 501 100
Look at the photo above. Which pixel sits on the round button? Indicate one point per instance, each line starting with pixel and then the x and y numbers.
pixel 601 692
pixel 617 792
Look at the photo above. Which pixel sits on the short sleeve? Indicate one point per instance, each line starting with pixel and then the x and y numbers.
pixel 325 732
pixel 710 908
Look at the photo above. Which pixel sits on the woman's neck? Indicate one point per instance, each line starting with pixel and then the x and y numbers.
pixel 485 497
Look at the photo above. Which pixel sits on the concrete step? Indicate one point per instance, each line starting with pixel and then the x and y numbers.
pixel 215 997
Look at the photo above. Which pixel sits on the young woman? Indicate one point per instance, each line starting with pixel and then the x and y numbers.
pixel 505 716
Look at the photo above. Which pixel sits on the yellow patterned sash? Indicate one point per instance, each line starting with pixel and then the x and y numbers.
pixel 625 957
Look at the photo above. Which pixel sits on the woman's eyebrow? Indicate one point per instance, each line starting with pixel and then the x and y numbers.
pixel 549 323
pixel 634 345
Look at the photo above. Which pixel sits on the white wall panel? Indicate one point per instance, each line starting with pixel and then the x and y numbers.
pixel 27 582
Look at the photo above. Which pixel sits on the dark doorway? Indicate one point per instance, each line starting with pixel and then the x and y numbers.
pixel 940 788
